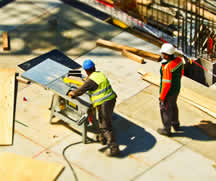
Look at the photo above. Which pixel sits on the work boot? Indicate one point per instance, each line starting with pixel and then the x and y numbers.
pixel 113 150
pixel 164 132
pixel 101 139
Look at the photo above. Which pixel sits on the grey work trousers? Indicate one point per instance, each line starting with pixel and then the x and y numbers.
pixel 105 112
pixel 169 115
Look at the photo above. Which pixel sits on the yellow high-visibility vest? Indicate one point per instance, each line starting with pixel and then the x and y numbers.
pixel 104 92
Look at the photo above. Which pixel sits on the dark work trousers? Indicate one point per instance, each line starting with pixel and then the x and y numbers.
pixel 169 116
pixel 105 111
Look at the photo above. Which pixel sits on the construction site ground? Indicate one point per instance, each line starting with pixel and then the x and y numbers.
pixel 37 27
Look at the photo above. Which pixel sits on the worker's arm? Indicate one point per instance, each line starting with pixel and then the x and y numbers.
pixel 89 85
pixel 166 83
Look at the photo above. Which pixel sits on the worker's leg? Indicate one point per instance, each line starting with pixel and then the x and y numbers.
pixel 106 127
pixel 166 115
pixel 175 112
pixel 105 114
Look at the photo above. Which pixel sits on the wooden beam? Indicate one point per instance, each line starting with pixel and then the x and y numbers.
pixel 25 81
pixel 21 168
pixel 132 56
pixel 7 89
pixel 201 102
pixel 119 47
pixel 5 41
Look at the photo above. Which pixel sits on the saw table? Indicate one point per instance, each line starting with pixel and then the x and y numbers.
pixel 74 112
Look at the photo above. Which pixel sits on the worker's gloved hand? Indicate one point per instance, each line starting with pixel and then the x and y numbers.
pixel 71 94
pixel 163 105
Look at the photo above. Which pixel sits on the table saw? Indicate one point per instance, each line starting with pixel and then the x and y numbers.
pixel 74 112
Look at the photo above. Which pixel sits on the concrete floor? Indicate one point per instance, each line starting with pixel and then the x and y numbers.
pixel 36 27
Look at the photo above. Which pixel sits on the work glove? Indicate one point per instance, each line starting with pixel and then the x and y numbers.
pixel 71 93
pixel 163 105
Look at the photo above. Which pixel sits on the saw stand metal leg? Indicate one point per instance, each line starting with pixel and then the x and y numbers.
pixel 84 132
pixel 52 107
pixel 82 127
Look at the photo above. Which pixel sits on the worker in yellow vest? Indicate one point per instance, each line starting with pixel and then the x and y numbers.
pixel 103 99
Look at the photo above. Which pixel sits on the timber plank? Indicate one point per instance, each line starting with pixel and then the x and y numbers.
pixel 120 47
pixel 20 168
pixel 132 56
pixel 7 89
pixel 201 102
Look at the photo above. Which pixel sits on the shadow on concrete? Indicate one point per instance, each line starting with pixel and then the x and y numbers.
pixel 135 138
pixel 194 133
pixel 62 30
pixel 5 2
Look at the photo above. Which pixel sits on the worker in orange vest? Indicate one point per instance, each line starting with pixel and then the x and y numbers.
pixel 171 71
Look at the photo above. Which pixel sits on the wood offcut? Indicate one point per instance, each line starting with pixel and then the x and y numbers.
pixel 5 38
pixel 22 80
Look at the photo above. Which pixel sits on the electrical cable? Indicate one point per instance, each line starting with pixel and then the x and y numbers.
pixel 68 162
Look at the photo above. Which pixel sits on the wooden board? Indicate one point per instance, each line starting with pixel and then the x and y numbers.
pixel 201 102
pixel 19 168
pixel 132 56
pixel 7 89
pixel 5 41
pixel 25 81
pixel 119 47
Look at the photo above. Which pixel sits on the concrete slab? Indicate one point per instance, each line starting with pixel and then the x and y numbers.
pixel 141 148
pixel 144 108
pixel 68 174
pixel 48 5
pixel 141 142
pixel 35 114
pixel 182 165
pixel 87 22
pixel 18 13
pixel 22 145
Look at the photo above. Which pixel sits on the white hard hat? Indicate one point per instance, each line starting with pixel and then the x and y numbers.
pixel 167 48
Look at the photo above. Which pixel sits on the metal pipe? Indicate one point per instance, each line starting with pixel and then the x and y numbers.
pixel 196 32
pixel 178 39
pixel 186 14
pixel 199 44
pixel 191 27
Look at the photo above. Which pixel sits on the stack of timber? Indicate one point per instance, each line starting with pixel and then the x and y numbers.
pixel 119 47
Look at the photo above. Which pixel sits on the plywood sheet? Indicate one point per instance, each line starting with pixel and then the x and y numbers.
pixel 7 82
pixel 20 168
pixel 198 100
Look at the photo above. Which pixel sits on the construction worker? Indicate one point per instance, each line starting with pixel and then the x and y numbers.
pixel 103 99
pixel 171 72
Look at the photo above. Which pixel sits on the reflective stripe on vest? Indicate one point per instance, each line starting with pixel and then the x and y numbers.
pixel 104 91
pixel 100 92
